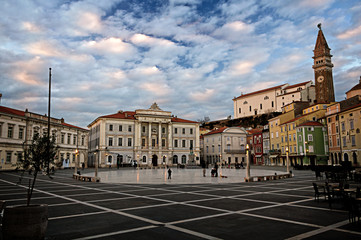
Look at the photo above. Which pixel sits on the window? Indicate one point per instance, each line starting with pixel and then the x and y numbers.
pixel 163 142
pixel 10 131
pixel 175 130
pixel 153 142
pixel 343 126
pixel 143 129
pixel 191 131
pixel 143 142
pixel 239 110
pixel 184 159
pixel 110 141
pixel 129 142
pixel 260 106
pixel 295 149
pixel 74 140
pixel 175 143
pixel 21 133
pixel 184 143
pixel 299 138
pixel 69 137
pixel 62 138
pixel 206 149
pixel 82 141
pixel 344 141
pixel 276 134
pixel 213 149
pixel 144 159
pixel 73 160
pixel 191 144
pixel 294 137
pixel 250 108
pixel 353 140
pixel 129 128
pixel 120 142
pixel 163 130
pixel 120 128
pixel 111 127
pixel 8 157
pixel 183 131
pixel 290 137
pixel 351 124
pixel 272 104
pixel 310 137
pixel 310 149
pixel 282 139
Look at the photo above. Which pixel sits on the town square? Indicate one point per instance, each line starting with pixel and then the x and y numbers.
pixel 180 119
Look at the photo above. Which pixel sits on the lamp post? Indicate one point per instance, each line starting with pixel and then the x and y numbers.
pixel 96 161
pixel 287 161
pixel 76 161
pixel 248 170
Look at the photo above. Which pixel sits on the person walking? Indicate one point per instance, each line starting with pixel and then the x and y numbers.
pixel 82 166
pixel 169 173
pixel 216 170
pixel 204 167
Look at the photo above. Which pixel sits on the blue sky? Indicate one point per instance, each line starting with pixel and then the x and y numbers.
pixel 191 57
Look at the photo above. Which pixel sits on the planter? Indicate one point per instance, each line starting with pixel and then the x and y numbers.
pixel 25 222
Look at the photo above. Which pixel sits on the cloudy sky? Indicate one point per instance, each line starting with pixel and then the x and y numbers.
pixel 190 56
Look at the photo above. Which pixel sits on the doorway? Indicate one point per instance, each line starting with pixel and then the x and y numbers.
pixel 155 160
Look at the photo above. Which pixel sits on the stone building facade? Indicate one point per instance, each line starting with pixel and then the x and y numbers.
pixel 17 128
pixel 151 137
pixel 226 145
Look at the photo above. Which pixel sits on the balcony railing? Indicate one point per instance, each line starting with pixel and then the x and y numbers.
pixel 235 151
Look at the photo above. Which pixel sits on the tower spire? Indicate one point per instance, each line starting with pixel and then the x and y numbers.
pixel 323 69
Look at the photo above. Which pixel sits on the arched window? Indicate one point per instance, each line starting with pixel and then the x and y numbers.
pixel 184 159
pixel 345 157
pixel 110 159
pixel 164 159
pixel 175 159
pixel 144 159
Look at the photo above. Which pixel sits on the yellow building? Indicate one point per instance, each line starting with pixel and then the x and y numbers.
pixel 350 126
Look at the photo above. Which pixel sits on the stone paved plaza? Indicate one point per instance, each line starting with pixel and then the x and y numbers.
pixel 278 209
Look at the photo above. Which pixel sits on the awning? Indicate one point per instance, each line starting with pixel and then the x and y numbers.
pixel 273 156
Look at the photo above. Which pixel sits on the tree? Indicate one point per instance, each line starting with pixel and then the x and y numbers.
pixel 38 157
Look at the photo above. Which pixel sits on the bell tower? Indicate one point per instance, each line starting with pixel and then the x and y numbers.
pixel 322 66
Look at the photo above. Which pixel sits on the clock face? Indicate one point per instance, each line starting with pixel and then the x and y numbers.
pixel 320 79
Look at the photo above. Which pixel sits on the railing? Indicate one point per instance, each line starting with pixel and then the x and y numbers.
pixel 235 151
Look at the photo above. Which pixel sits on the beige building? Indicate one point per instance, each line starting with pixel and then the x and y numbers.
pixel 225 145
pixel 151 137
pixel 18 127
pixel 272 99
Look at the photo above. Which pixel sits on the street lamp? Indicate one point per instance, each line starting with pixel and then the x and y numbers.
pixel 96 161
pixel 287 161
pixel 76 161
pixel 248 170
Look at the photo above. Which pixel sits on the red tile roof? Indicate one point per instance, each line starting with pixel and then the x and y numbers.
pixel 22 114
pixel 131 115
pixel 260 91
pixel 121 115
pixel 219 130
pixel 175 119
pixel 297 85
pixel 12 111
pixel 311 123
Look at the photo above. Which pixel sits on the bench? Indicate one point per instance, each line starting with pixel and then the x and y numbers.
pixel 267 178
pixel 86 178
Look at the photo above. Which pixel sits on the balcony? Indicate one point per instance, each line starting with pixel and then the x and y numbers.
pixel 235 151
pixel 274 151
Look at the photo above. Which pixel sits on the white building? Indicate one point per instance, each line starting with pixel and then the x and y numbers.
pixel 18 127
pixel 272 99
pixel 151 136
pixel 226 145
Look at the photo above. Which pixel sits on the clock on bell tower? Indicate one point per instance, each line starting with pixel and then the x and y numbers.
pixel 323 70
